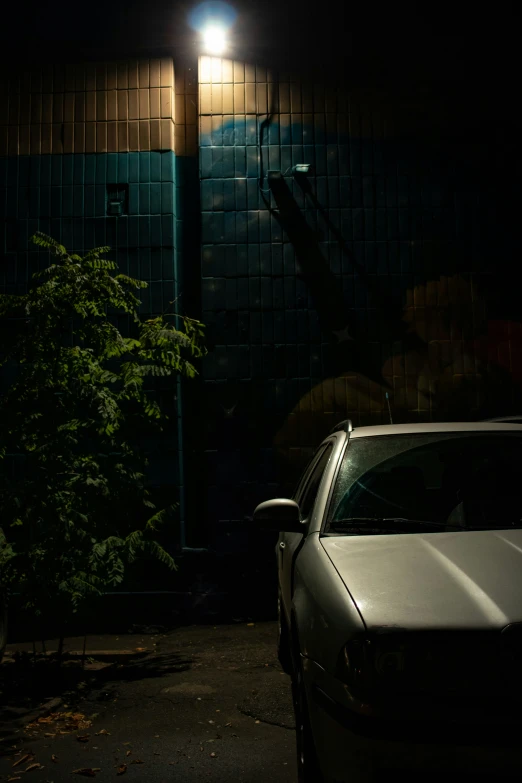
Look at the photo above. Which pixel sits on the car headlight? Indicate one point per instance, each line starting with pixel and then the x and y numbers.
pixel 365 665
pixel 389 663
pixel 355 665
pixel 417 663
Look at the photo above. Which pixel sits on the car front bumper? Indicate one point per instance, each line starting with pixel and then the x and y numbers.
pixel 359 748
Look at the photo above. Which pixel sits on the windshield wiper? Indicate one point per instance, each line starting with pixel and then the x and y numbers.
pixel 353 522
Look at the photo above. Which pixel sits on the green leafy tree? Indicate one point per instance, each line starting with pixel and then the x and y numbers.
pixel 78 403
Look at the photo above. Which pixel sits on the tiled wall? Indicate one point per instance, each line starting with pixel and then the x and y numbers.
pixel 385 296
pixel 379 288
pixel 66 197
pixel 67 133
pixel 186 109
pixel 93 107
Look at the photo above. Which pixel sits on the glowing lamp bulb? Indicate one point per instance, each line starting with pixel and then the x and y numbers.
pixel 214 39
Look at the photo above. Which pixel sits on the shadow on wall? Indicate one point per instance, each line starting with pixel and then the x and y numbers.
pixel 439 356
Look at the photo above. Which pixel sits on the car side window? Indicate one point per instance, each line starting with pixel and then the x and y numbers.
pixel 312 488
pixel 303 481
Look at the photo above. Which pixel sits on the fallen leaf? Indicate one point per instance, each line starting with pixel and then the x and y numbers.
pixel 87 772
pixel 22 759
pixel 250 624
pixel 83 737
pixel 49 734
pixel 103 731
pixel 54 758
pixel 228 724
pixel 36 765
pixel 213 755
pixel 128 752
pixel 137 761
pixel 140 649
pixel 121 769
pixel 85 724
pixel 126 743
pixel 15 778
pixel 257 721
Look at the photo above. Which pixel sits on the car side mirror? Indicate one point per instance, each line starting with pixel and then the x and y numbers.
pixel 280 515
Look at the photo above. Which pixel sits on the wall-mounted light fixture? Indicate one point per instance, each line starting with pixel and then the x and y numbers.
pixel 214 39
pixel 302 168
pixel 213 21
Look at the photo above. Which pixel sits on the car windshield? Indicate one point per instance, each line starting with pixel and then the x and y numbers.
pixel 428 483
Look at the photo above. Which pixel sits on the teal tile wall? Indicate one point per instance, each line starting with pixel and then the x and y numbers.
pixel 65 196
pixel 411 212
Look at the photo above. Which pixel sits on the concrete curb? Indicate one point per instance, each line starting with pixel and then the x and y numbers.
pixel 100 655
pixel 13 719
pixel 14 725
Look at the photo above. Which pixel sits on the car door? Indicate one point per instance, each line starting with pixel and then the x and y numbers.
pixel 290 543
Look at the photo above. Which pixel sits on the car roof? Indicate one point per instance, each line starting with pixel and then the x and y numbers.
pixel 451 426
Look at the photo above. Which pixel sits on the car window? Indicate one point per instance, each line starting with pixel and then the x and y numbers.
pixel 310 491
pixel 428 483
pixel 301 484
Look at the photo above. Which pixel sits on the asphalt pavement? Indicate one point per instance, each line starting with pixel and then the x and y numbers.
pixel 202 703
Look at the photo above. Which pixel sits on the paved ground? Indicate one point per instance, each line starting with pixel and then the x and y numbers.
pixel 210 703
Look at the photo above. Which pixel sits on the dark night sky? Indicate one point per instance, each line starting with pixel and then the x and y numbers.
pixel 426 41
pixel 471 62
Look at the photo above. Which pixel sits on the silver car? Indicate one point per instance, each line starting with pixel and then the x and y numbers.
pixel 400 601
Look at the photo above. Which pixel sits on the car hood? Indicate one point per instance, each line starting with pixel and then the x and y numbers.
pixel 467 580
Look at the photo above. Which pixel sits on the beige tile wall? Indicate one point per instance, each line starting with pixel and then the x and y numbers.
pixel 186 110
pixel 93 107
pixel 229 88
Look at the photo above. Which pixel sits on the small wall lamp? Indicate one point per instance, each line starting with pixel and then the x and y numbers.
pixel 302 168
